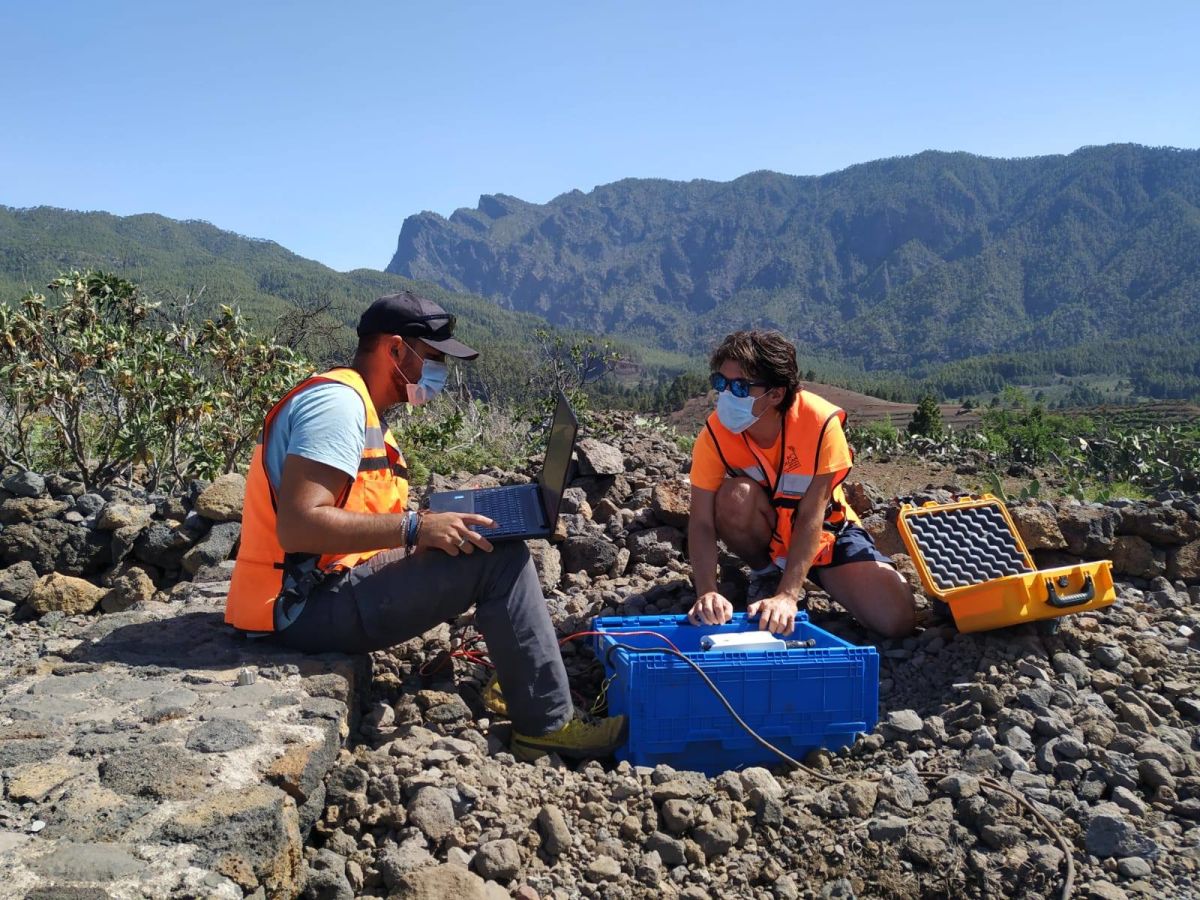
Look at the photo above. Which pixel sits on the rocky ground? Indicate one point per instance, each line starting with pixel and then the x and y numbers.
pixel 1095 724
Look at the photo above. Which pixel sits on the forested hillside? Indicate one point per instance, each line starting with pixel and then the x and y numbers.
pixel 170 258
pixel 173 260
pixel 901 264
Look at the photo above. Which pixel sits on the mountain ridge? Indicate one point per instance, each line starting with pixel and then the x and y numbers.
pixel 919 259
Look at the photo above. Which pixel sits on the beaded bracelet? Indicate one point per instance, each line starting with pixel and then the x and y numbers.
pixel 416 533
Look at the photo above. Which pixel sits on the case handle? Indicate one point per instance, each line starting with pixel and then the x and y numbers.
pixel 1063 601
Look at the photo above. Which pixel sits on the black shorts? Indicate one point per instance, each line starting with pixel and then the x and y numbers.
pixel 853 544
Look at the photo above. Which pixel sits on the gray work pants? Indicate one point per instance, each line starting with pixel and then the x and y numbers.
pixel 390 599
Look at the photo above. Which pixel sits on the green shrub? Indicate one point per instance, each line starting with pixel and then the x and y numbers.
pixel 874 437
pixel 90 380
pixel 1023 433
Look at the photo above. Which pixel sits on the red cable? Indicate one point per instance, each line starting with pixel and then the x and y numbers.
pixel 623 634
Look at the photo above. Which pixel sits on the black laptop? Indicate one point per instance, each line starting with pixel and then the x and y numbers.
pixel 522 511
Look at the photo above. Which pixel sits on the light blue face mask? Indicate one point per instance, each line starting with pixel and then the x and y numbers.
pixel 736 413
pixel 430 384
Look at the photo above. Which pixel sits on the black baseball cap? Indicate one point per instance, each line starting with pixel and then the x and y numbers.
pixel 411 315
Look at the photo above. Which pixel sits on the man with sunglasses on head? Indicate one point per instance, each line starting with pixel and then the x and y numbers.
pixel 332 559
pixel 766 476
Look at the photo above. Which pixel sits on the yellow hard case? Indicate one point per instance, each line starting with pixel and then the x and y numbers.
pixel 969 554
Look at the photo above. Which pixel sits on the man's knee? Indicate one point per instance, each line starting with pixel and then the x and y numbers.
pixel 876 593
pixel 898 611
pixel 508 555
pixel 738 504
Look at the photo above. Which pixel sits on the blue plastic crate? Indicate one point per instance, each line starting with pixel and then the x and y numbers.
pixel 799 699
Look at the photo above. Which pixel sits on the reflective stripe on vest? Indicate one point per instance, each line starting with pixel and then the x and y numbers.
pixel 794 485
pixel 803 434
pixel 379 487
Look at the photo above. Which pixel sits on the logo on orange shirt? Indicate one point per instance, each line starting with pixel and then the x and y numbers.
pixel 790 461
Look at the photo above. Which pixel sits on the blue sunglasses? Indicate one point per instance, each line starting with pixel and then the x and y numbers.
pixel 739 387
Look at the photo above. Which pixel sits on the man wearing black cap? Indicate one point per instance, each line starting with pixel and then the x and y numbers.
pixel 332 560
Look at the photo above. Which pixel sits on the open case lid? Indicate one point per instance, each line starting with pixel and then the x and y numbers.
pixel 963 544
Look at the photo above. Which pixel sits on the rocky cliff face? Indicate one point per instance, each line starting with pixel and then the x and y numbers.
pixel 929 257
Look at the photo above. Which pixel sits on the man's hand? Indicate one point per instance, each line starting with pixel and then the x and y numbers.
pixel 710 609
pixel 775 614
pixel 451 532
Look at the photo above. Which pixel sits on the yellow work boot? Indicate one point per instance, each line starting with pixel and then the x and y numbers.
pixel 493 698
pixel 581 738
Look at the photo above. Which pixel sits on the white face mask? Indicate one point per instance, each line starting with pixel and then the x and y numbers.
pixel 429 385
pixel 736 413
pixel 433 379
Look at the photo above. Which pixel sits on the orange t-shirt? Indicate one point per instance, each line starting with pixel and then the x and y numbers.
pixel 708 471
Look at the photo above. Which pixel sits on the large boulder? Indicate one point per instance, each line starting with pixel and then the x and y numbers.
pixel 440 882
pixel 1038 526
pixel 1089 530
pixel 1157 523
pixel 1184 563
pixel 53 545
pixel 656 546
pixel 116 516
pixel 251 835
pixel 61 486
pixel 162 546
pixel 62 593
pixel 222 500
pixel 862 496
pixel 598 458
pixel 432 811
pixel 25 484
pixel 548 562
pixel 17 582
pixel 671 502
pixel 133 587
pixel 591 554
pixel 217 546
pixel 89 504
pixel 1109 834
pixel 1134 556
pixel 29 509
pixel 499 860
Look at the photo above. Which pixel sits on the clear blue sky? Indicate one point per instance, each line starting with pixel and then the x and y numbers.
pixel 322 125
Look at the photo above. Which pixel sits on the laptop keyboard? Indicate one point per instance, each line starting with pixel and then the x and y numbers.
pixel 502 506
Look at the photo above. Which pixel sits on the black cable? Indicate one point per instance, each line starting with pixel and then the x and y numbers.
pixel 720 696
pixel 992 783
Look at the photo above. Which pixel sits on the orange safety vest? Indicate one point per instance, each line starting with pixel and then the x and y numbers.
pixel 381 486
pixel 804 428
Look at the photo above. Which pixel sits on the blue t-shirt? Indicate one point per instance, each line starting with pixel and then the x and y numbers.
pixel 325 423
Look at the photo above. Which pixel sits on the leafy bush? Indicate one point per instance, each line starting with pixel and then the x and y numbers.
pixel 1025 433
pixel 90 380
pixel 1164 457
pixel 878 437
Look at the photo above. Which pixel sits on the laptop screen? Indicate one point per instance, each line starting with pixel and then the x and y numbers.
pixel 553 479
